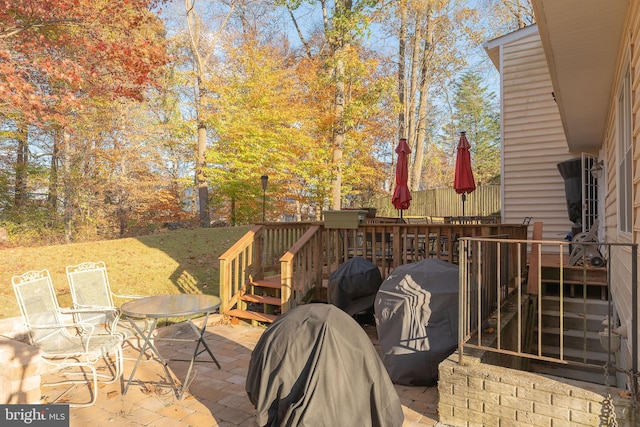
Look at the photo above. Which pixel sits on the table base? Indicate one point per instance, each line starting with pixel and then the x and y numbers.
pixel 149 344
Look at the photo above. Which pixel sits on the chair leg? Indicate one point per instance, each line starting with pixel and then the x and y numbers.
pixel 117 363
pixel 93 388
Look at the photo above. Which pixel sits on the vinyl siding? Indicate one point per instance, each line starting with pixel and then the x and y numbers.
pixel 533 140
pixel 620 261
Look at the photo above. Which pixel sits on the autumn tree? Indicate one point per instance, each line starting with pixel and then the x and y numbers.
pixel 54 53
pixel 100 134
pixel 504 16
pixel 259 119
pixel 203 41
pixel 57 57
pixel 343 27
pixel 109 164
pixel 175 144
pixel 429 55
pixel 477 113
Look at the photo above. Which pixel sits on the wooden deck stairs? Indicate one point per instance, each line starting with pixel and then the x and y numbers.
pixel 260 302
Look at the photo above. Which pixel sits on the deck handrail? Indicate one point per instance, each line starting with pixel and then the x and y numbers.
pixel 516 311
pixel 301 268
pixel 235 267
pixel 256 253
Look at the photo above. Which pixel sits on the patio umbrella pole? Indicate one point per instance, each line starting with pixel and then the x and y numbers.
pixel 464 199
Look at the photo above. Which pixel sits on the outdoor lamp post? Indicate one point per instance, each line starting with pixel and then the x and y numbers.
pixel 264 179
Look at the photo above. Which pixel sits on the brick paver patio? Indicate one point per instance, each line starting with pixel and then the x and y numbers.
pixel 215 397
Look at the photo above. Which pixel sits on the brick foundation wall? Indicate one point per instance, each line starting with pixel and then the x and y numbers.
pixel 478 394
pixel 21 372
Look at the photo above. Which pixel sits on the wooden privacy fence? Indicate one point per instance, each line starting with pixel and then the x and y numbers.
pixel 485 200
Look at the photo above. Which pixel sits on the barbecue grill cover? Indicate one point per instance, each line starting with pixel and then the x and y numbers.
pixel 417 320
pixel 315 366
pixel 571 172
pixel 353 286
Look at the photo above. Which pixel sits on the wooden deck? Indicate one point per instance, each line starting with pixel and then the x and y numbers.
pixel 302 255
pixel 571 276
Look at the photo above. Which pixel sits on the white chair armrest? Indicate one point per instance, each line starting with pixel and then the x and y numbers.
pixel 86 330
pixel 127 296
pixel 88 309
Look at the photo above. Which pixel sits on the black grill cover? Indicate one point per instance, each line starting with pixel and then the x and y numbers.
pixel 315 366
pixel 571 172
pixel 353 286
pixel 417 320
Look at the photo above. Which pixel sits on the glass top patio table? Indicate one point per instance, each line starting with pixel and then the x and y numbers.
pixel 175 305
pixel 165 306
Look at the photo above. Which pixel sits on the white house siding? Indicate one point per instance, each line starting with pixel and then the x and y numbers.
pixel 533 137
pixel 620 262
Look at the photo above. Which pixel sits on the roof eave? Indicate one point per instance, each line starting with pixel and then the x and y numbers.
pixel 581 40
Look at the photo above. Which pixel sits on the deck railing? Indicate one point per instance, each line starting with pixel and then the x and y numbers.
pixel 389 245
pixel 306 253
pixel 301 268
pixel 236 267
pixel 256 253
pixel 505 318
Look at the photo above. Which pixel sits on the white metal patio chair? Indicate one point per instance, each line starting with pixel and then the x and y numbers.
pixel 71 348
pixel 90 288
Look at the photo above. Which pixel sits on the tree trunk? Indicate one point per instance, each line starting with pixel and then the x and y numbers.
pixel 339 132
pixel 233 211
pixel 298 211
pixel 67 187
pixel 402 78
pixel 194 28
pixel 203 185
pixel 22 160
pixel 422 120
pixel 402 87
pixel 413 96
pixel 53 175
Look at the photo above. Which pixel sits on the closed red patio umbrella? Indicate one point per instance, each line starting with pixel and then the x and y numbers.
pixel 401 196
pixel 463 181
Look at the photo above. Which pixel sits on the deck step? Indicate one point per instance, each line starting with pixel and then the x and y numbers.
pixel 576 355
pixel 571 333
pixel 251 315
pixel 577 273
pixel 261 299
pixel 578 321
pixel 595 307
pixel 272 282
pixel 572 338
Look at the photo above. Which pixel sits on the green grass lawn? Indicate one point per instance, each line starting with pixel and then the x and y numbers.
pixel 180 261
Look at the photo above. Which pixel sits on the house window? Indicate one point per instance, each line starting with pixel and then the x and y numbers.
pixel 625 158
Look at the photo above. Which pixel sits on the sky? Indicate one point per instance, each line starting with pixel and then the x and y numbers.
pixel 478 60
